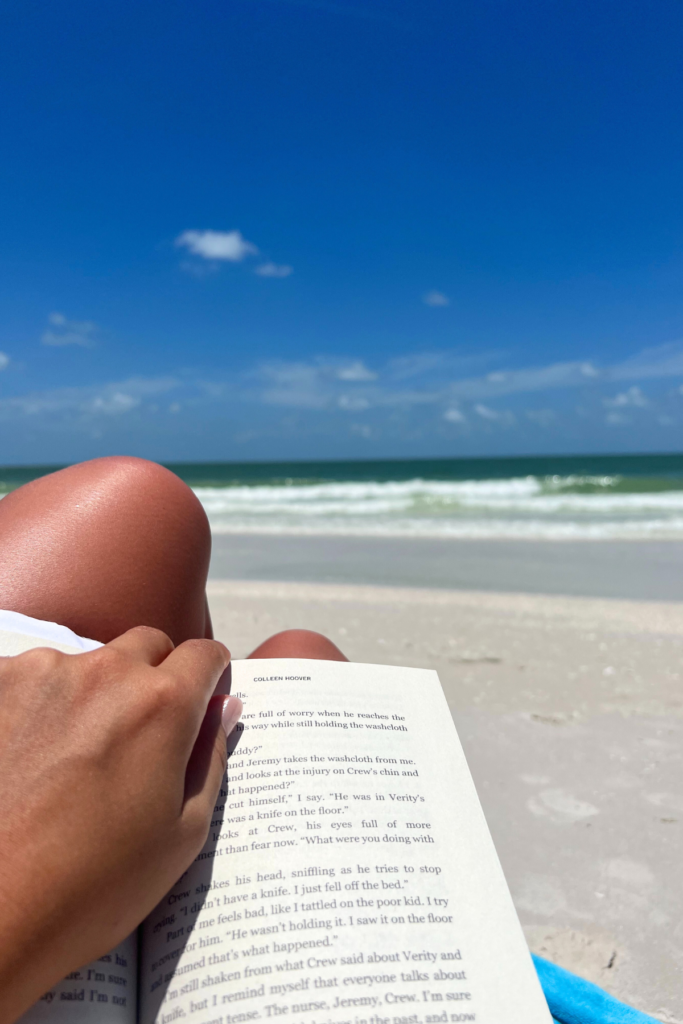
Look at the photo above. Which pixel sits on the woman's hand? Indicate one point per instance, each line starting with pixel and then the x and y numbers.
pixel 110 764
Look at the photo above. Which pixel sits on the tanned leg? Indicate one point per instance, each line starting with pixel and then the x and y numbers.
pixel 299 643
pixel 104 546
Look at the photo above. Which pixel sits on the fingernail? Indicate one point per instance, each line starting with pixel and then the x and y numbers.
pixel 232 709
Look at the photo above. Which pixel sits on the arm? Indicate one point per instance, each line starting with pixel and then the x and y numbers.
pixel 110 763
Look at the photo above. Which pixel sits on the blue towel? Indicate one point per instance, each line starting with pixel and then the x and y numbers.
pixel 574 1001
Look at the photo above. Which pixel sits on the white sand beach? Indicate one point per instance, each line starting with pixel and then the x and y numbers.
pixel 570 710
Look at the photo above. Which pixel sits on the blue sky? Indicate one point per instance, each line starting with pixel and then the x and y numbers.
pixel 262 229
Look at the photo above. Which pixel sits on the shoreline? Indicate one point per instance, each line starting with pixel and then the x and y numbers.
pixel 614 569
pixel 664 538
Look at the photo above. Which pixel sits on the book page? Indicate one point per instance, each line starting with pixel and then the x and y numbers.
pixel 102 992
pixel 349 876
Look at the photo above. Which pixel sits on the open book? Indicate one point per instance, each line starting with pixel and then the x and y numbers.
pixel 349 876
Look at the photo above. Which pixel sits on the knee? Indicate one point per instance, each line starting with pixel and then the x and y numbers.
pixel 143 499
pixel 114 516
pixel 105 545
pixel 153 487
pixel 299 643
pixel 114 492
pixel 137 482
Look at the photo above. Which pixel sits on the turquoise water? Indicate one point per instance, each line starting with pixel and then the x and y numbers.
pixel 640 472
pixel 629 496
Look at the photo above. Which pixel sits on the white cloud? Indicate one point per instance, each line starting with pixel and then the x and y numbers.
pixel 217 245
pixel 112 405
pixel 298 385
pixel 113 399
pixel 69 332
pixel 504 418
pixel 274 270
pixel 283 373
pixel 412 366
pixel 632 397
pixel 664 361
pixel 4 361
pixel 435 298
pixel 438 381
pixel 661 361
pixel 356 370
pixel 316 385
pixel 533 378
pixel 466 394
pixel 445 363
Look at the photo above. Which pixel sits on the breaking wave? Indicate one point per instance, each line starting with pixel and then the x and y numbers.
pixel 529 507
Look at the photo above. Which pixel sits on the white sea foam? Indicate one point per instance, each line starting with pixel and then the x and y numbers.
pixel 562 508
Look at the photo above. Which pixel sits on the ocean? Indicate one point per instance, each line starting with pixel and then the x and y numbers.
pixel 549 498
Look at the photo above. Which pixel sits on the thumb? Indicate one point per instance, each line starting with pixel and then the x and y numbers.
pixel 206 767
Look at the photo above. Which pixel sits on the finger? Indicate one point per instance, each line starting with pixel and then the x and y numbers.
pixel 206 767
pixel 231 713
pixel 196 666
pixel 200 664
pixel 144 643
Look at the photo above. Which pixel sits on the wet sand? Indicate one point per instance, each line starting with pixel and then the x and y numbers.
pixel 571 714
pixel 637 570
